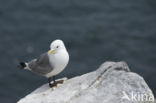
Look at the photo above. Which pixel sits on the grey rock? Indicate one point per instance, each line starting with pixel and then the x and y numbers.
pixel 112 82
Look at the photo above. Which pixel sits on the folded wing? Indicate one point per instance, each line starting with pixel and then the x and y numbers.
pixel 41 65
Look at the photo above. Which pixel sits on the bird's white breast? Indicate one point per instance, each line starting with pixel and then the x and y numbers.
pixel 58 61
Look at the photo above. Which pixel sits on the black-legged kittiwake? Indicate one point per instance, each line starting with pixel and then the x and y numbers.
pixel 49 64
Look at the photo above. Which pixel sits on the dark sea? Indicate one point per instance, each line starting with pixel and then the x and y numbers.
pixel 94 31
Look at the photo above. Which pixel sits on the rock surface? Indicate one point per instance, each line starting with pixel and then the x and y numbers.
pixel 112 82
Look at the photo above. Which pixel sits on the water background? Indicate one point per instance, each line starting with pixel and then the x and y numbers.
pixel 94 31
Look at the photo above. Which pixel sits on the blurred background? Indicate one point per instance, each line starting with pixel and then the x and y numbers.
pixel 94 31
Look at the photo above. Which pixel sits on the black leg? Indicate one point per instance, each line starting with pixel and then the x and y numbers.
pixel 54 79
pixel 54 82
pixel 49 81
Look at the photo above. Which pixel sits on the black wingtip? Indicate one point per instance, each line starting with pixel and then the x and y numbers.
pixel 21 65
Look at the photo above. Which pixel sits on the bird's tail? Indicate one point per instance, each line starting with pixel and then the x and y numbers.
pixel 22 65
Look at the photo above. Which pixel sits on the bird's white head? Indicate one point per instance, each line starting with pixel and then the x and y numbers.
pixel 56 46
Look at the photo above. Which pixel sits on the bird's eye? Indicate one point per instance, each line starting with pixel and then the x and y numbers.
pixel 57 46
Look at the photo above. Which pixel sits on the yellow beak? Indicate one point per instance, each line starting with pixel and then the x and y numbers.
pixel 50 51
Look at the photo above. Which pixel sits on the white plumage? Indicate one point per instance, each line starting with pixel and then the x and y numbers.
pixel 59 58
pixel 51 63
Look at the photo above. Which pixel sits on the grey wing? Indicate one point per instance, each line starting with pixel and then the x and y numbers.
pixel 41 65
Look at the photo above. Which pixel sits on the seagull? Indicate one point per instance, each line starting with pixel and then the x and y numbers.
pixel 49 64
